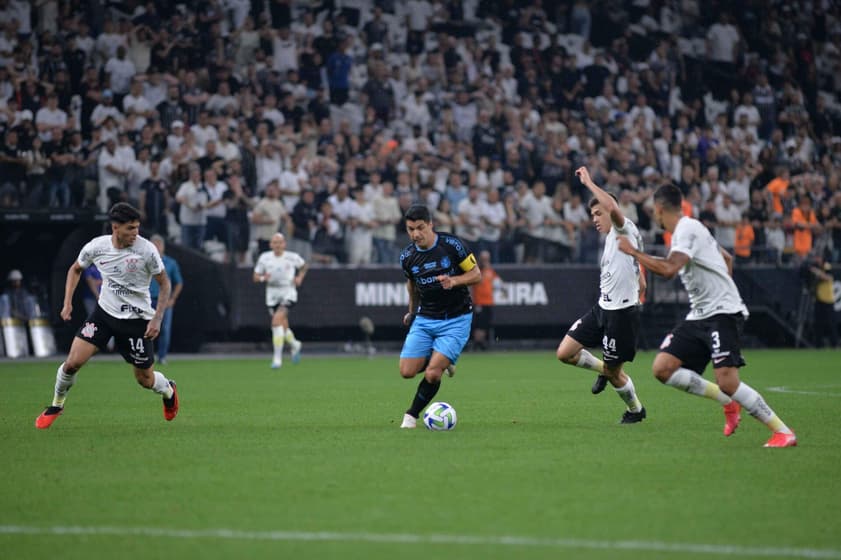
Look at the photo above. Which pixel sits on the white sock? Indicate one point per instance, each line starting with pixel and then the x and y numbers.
pixel 589 361
pixel 629 396
pixel 753 402
pixel 63 382
pixel 277 342
pixel 691 382
pixel 290 336
pixel 162 386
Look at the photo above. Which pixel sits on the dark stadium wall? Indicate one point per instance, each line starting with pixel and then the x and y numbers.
pixel 65 248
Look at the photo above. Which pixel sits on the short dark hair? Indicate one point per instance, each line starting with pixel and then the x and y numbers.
pixel 417 212
pixel 594 200
pixel 669 196
pixel 123 213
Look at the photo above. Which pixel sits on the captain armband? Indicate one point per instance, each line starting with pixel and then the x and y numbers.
pixel 468 263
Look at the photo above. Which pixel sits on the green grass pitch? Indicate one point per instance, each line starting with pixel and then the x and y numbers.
pixel 309 462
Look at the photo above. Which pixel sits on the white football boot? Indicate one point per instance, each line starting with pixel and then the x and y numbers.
pixel 409 421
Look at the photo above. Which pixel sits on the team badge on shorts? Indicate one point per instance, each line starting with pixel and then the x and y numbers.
pixel 88 330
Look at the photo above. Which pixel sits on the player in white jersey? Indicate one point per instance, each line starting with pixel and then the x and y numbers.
pixel 613 321
pixel 282 271
pixel 713 327
pixel 127 263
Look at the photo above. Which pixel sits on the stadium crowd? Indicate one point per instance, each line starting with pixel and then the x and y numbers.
pixel 229 120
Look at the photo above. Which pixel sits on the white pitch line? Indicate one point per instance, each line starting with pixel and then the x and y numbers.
pixel 407 538
pixel 784 389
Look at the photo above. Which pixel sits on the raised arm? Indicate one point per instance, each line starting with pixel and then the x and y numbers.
pixel 607 201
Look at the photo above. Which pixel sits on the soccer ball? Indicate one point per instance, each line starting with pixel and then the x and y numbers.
pixel 440 416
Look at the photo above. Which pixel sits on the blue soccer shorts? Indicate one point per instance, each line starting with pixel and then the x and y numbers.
pixel 445 336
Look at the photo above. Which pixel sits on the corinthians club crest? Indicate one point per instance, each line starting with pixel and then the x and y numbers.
pixel 88 330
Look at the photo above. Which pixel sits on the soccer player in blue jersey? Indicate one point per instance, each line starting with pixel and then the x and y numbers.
pixel 439 267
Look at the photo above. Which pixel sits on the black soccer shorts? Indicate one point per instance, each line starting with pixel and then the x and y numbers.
pixel 135 349
pixel 615 330
pixel 717 338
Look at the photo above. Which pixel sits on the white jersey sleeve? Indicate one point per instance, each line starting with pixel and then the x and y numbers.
pixel 619 281
pixel 711 289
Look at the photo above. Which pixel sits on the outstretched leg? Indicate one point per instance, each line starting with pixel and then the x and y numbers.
pixel 80 352
pixel 752 401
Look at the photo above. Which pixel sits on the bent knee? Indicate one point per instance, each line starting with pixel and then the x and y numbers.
pixel 407 372
pixel 662 371
pixel 71 367
pixel 566 357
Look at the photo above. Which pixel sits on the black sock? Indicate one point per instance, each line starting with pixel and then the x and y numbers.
pixel 425 394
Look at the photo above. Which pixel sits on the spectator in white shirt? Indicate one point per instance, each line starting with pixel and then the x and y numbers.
pixel 416 110
pixel 469 216
pixel 722 40
pixel 120 71
pixel 216 227
pixel 113 172
pixel 83 40
pixel 135 102
pixel 108 41
pixel 387 215
pixel 176 137
pixel 222 99
pixel 493 224
pixel 203 130
pixel 419 13
pixel 269 165
pixel 749 110
pixel 727 216
pixel 271 112
pixel 193 200
pixel 576 213
pixel 154 88
pixel 106 109
pixel 359 233
pixel 342 204
pixel 227 149
pixel 51 117
pixel 739 188
pixel 284 51
pixel 535 208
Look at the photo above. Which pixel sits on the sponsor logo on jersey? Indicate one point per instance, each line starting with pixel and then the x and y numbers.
pixel 126 307
pixel 118 288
